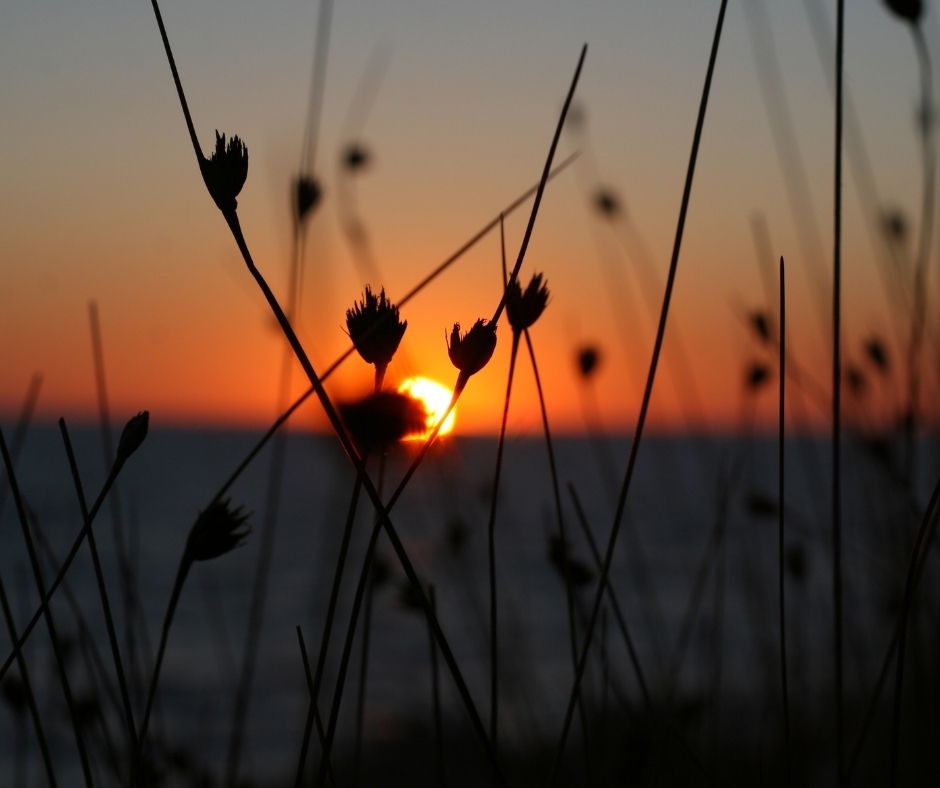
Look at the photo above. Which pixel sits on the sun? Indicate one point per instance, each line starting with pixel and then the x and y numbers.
pixel 435 397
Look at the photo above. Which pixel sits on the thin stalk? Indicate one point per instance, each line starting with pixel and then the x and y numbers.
pixel 22 426
pixel 837 394
pixel 328 624
pixel 781 550
pixel 918 557
pixel 612 599
pixel 66 564
pixel 315 715
pixel 259 591
pixel 50 619
pixel 364 655
pixel 181 574
pixel 916 565
pixel 919 313
pixel 308 155
pixel 28 688
pixel 647 396
pixel 117 521
pixel 491 552
pixel 563 536
pixel 102 588
pixel 436 705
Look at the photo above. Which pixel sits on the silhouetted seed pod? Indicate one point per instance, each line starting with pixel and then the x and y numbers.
pixel 87 710
pixel 225 171
pixel 796 562
pixel 381 572
pixel 759 504
pixel 14 693
pixel 356 157
pixel 569 567
pixel 761 325
pixel 908 10
pixel 757 375
pixel 878 448
pixel 218 530
pixel 408 596
pixel 472 351
pixel 894 225
pixel 524 308
pixel 307 196
pixel 877 354
pixel 606 203
pixel 856 381
pixel 457 534
pixel 133 435
pixel 382 418
pixel 589 358
pixel 374 328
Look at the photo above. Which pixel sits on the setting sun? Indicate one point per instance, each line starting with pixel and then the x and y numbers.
pixel 435 397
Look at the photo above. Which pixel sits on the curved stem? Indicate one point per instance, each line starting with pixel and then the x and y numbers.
pixel 919 312
pixel 28 689
pixel 647 396
pixel 181 574
pixel 781 573
pixel 102 589
pixel 491 552
pixel 47 612
pixel 837 395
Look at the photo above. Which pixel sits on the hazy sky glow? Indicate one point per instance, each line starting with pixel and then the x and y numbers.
pixel 101 198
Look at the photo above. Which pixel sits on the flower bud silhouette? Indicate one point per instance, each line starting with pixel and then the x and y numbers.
pixel 133 435
pixel 524 308
pixel 607 203
pixel 908 10
pixel 384 417
pixel 588 359
pixel 877 354
pixel 225 171
pixel 375 329
pixel 218 530
pixel 760 322
pixel 356 157
pixel 307 196
pixel 757 375
pixel 471 352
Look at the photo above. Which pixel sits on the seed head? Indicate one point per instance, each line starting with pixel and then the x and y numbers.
pixel 908 10
pixel 575 571
pixel 356 157
pixel 218 530
pixel 133 435
pixel 471 352
pixel 225 171
pixel 589 358
pixel 384 417
pixel 607 203
pixel 761 325
pixel 524 308
pixel 894 225
pixel 761 505
pixel 757 375
pixel 374 328
pixel 877 354
pixel 307 196
pixel 856 380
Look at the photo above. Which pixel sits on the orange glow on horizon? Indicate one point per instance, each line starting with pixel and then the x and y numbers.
pixel 435 397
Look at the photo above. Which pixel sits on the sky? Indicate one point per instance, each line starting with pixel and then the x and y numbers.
pixel 101 199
